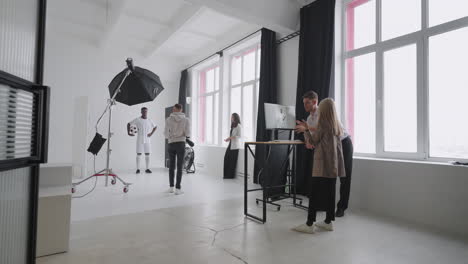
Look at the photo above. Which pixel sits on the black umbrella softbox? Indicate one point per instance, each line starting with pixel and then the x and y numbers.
pixel 140 86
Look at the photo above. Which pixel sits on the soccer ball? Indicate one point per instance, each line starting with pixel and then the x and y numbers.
pixel 133 130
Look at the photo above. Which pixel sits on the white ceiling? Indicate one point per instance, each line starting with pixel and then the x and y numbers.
pixel 178 28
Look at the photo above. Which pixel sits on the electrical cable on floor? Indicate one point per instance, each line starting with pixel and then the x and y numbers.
pixel 95 182
pixel 96 178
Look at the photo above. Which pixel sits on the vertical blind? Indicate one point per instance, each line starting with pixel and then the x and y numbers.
pixel 17 124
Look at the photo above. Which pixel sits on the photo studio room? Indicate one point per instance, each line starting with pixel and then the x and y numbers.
pixel 246 131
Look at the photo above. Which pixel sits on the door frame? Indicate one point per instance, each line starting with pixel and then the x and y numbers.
pixel 40 149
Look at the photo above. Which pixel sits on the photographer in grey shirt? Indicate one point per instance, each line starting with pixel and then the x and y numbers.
pixel 177 130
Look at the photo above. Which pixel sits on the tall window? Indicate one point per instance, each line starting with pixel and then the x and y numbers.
pixel 224 85
pixel 208 105
pixel 406 82
pixel 244 82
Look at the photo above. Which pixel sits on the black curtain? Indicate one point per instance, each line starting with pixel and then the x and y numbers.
pixel 316 45
pixel 184 91
pixel 267 94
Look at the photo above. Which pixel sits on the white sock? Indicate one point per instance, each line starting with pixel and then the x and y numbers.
pixel 147 159
pixel 138 161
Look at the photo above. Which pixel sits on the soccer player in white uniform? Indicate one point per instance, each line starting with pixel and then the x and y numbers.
pixel 145 129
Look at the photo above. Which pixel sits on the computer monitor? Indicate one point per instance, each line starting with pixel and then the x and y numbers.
pixel 280 116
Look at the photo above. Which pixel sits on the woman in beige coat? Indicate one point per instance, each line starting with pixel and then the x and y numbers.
pixel 328 165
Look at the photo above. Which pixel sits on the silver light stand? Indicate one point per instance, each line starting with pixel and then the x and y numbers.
pixel 108 171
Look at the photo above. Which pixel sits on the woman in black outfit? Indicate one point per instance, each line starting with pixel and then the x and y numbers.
pixel 232 152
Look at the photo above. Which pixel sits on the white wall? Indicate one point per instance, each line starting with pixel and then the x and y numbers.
pixel 210 159
pixel 288 60
pixel 80 135
pixel 432 195
pixel 74 69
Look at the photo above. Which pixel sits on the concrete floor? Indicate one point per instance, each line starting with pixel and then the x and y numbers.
pixel 206 225
pixel 147 192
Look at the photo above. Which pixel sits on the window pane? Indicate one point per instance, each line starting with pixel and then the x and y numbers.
pixel 360 20
pixel 209 119
pixel 236 100
pixel 400 17
pixel 441 11
pixel 216 118
pixel 400 102
pixel 360 101
pixel 248 112
pixel 258 63
pixel 236 70
pixel 202 89
pixel 202 118
pixel 210 79
pixel 257 89
pixel 448 80
pixel 216 85
pixel 249 66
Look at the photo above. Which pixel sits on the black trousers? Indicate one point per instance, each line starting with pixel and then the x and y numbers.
pixel 322 198
pixel 230 162
pixel 176 150
pixel 345 182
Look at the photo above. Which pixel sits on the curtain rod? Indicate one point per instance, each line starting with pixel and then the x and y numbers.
pixel 288 37
pixel 220 51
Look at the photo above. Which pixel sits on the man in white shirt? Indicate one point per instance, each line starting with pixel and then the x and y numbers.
pixel 310 100
pixel 145 129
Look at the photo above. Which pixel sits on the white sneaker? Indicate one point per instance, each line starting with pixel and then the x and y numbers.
pixel 323 225
pixel 170 190
pixel 304 228
pixel 178 191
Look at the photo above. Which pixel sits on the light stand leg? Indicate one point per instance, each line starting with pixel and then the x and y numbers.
pixel 109 135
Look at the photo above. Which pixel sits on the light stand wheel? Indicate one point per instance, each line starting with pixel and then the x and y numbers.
pixel 125 189
pixel 73 190
pixel 113 182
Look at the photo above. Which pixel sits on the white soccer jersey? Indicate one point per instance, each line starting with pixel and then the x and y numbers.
pixel 144 126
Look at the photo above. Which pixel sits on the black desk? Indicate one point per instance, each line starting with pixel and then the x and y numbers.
pixel 290 182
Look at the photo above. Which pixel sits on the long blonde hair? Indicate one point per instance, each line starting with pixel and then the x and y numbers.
pixel 328 119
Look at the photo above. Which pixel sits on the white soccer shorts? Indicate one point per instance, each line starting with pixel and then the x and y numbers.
pixel 143 148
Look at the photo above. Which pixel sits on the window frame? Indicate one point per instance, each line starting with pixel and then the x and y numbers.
pixel 255 83
pixel 421 40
